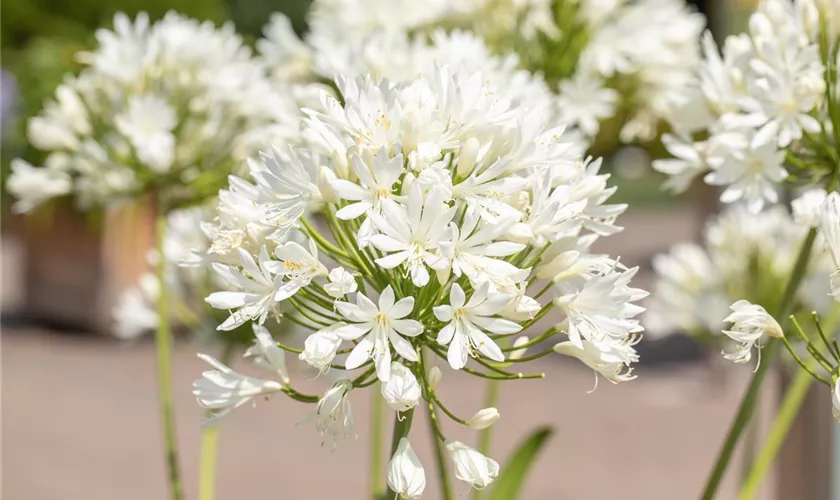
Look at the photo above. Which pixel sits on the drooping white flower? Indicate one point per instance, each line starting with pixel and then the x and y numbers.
pixel 413 232
pixel 750 322
pixel 257 292
pixel 806 208
pixel 333 415
pixel 320 348
pixel 602 357
pixel 341 283
pixel 222 389
pixel 267 354
pixel 401 391
pixel 406 476
pixel 471 466
pixel 467 322
pixel 382 327
pixel 483 419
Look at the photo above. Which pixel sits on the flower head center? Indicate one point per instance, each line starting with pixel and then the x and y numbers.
pixel 381 319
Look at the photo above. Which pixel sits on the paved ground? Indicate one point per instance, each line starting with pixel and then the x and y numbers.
pixel 79 421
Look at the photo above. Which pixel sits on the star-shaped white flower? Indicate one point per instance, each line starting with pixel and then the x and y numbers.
pixel 413 232
pixel 256 295
pixel 379 326
pixel 466 322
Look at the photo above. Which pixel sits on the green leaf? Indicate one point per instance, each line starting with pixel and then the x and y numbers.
pixel 512 476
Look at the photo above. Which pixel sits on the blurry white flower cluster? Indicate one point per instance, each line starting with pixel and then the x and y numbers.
pixel 744 256
pixel 170 107
pixel 421 219
pixel 584 69
pixel 762 109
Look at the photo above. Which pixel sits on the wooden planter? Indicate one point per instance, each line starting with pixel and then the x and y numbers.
pixel 75 270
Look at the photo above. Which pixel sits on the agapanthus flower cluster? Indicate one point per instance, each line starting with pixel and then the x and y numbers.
pixel 170 107
pixel 762 111
pixel 420 222
pixel 744 256
pixel 571 57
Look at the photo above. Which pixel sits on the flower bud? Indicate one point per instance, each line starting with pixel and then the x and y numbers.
pixel 483 419
pixel 401 391
pixel 320 348
pixel 406 476
pixel 341 283
pixel 434 377
pixel 471 466
pixel 519 352
pixel 468 156
pixel 325 178
pixel 342 168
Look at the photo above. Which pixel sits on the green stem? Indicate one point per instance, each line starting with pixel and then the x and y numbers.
pixel 440 456
pixel 210 447
pixel 491 399
pixel 376 430
pixel 163 343
pixel 794 397
pixel 747 407
pixel 402 424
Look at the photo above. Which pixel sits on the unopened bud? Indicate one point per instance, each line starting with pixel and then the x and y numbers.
pixel 467 157
pixel 483 419
pixel 434 377
pixel 518 353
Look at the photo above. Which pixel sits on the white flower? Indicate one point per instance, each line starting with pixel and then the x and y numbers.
pixel 471 466
pixel 406 476
pixel 341 283
pixel 614 366
pixel 148 124
pixel 583 101
pixel 806 208
pixel 687 163
pixel 375 184
pixel 401 390
pixel 319 349
pixel 749 172
pixel 381 326
pixel 258 289
pixel 221 390
pixel 333 416
pixel 466 323
pixel 830 230
pixel 473 250
pixel 412 232
pixel 32 186
pixel 298 266
pixel 267 354
pixel 750 322
pixel 483 419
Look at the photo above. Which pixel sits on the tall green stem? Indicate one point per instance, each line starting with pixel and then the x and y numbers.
pixel 486 435
pixel 402 424
pixel 376 430
pixel 440 456
pixel 747 407
pixel 794 397
pixel 210 447
pixel 163 341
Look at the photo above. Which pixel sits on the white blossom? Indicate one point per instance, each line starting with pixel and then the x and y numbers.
pixel 750 323
pixel 333 416
pixel 406 476
pixel 222 389
pixel 380 326
pixel 341 283
pixel 471 466
pixel 401 391
pixel 320 348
